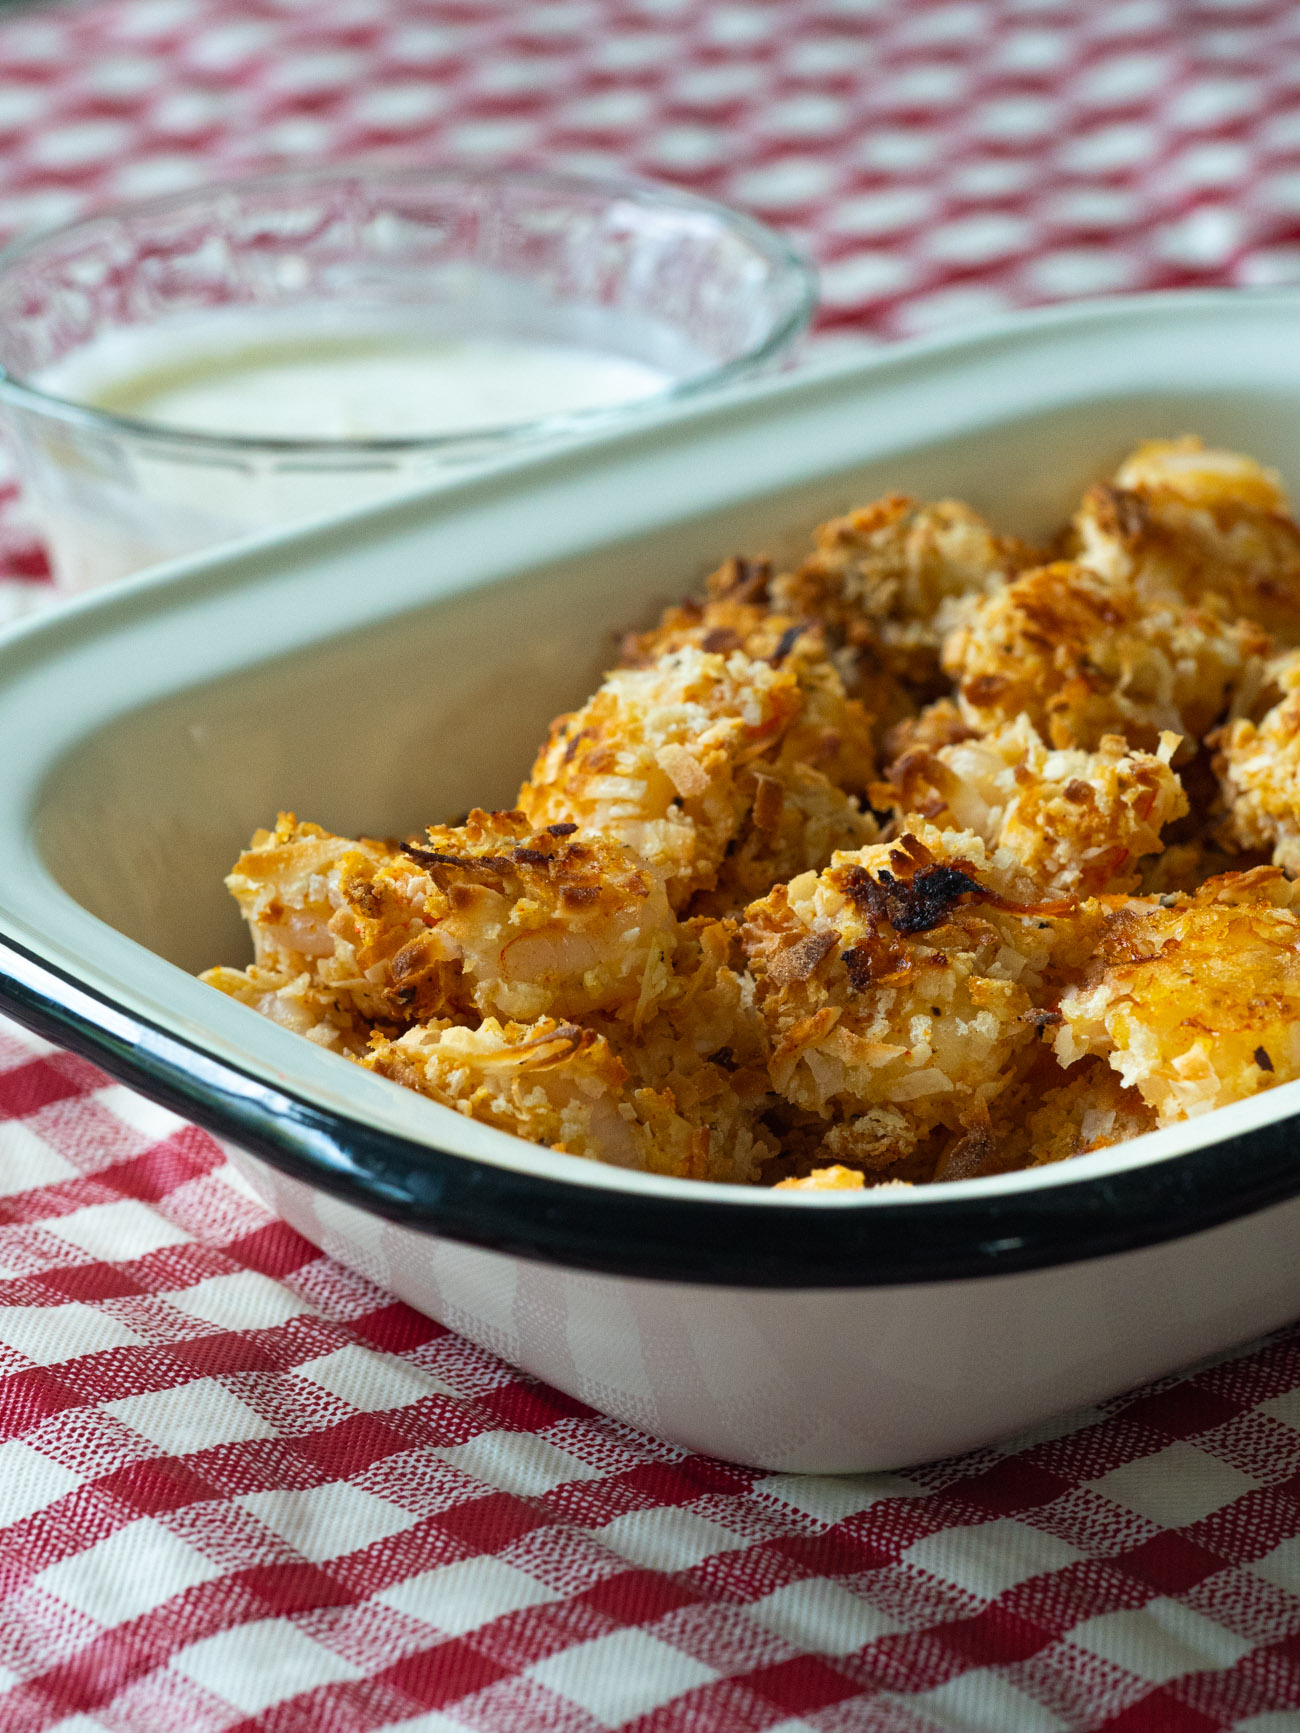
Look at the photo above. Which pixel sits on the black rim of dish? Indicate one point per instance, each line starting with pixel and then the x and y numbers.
pixel 636 1235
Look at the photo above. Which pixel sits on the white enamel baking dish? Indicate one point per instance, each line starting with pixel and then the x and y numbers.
pixel 399 665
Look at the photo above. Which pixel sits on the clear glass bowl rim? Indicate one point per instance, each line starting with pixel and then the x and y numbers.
pixel 789 272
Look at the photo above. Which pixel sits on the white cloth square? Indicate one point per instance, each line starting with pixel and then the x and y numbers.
pixel 667 1539
pixel 29 1480
pixel 243 1300
pixel 368 1381
pixel 832 1497
pixel 519 1462
pixel 153 1122
pixel 253 1666
pixel 1285 1408
pixel 992 1557
pixel 198 1415
pixel 982 1702
pixel 1160 1641
pixel 117 1232
pixel 48 1335
pixel 822 1617
pixel 618 1677
pixel 324 1522
pixel 139 1567
pixel 1281 1566
pixel 1175 1486
pixel 27 1161
pixel 460 1597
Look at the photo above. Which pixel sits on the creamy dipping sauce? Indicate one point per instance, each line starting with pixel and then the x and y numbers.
pixel 347 386
pixel 111 501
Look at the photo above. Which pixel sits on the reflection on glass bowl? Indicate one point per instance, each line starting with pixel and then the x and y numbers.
pixel 193 368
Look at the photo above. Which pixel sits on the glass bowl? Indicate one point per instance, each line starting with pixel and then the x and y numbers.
pixel 685 293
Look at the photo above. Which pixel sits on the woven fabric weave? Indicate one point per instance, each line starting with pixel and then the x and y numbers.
pixel 241 1487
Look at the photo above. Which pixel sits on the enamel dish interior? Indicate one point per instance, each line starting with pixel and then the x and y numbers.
pixel 400 665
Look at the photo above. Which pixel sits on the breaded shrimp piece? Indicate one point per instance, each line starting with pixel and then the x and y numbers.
pixel 486 917
pixel 1211 528
pixel 539 923
pixel 737 612
pixel 879 580
pixel 1083 658
pixel 832 733
pixel 653 759
pixel 287 886
pixel 1193 1000
pixel 703 1002
pixel 1077 823
pixel 1044 1114
pixel 804 798
pixel 938 724
pixel 800 800
pixel 1258 765
pixel 1050 1114
pixel 1090 1110
pixel 1185 866
pixel 898 982
pixel 674 759
pixel 296 1002
pixel 795 821
pixel 562 1085
pixel 734 613
pixel 705 1043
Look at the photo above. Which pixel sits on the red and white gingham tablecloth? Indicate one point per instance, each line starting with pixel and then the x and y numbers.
pixel 243 1488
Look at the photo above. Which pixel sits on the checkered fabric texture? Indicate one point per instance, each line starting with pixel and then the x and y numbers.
pixel 242 1488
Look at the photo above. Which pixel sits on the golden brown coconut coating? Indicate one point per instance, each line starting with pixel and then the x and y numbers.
pixel 287 886
pixel 563 1085
pixel 895 985
pixel 1091 1110
pixel 1211 528
pixel 879 580
pixel 735 613
pixel 1077 823
pixel 1185 866
pixel 698 755
pixel 941 723
pixel 1258 764
pixel 1193 1000
pixel 704 1044
pixel 1049 1114
pixel 689 954
pixel 1083 658
pixel 295 1002
pixel 490 916
pixel 832 732
pixel 795 822
pixel 655 757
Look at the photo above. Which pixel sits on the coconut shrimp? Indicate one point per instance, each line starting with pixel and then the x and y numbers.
pixel 1083 658
pixel 1077 823
pixel 1194 1001
pixel 1258 763
pixel 488 917
pixel 1210 528
pixel 714 940
pixel 880 581
pixel 564 1086
pixel 683 761
pixel 898 985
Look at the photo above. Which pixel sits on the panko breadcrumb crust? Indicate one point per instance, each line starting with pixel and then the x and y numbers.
pixel 936 856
